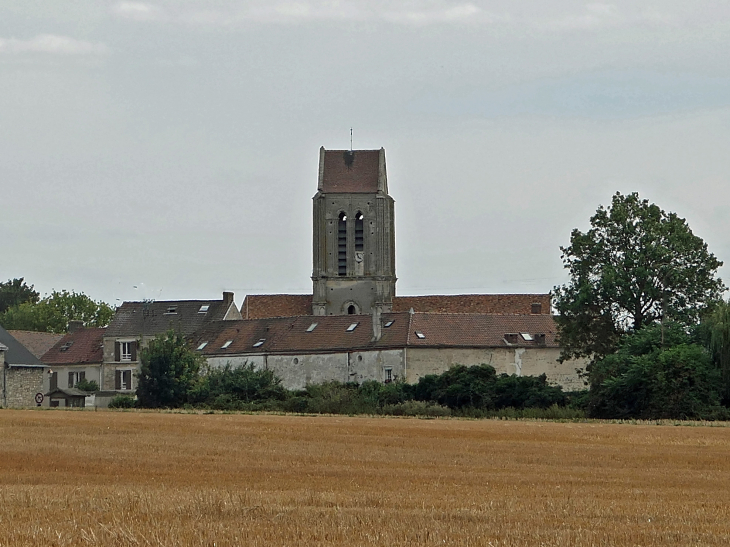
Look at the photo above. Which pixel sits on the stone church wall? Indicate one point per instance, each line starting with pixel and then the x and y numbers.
pixel 520 361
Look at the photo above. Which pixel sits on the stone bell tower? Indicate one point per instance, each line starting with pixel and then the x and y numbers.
pixel 354 234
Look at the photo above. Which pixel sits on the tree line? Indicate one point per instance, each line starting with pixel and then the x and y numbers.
pixel 22 308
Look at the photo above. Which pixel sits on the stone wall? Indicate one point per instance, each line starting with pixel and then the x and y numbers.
pixel 22 384
pixel 519 361
pixel 297 371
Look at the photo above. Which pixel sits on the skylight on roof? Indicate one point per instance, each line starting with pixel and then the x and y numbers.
pixel 67 345
pixel 527 336
pixel 201 346
pixel 259 343
pixel 352 327
pixel 228 343
pixel 171 309
pixel 420 335
pixel 312 327
pixel 389 323
pixel 203 308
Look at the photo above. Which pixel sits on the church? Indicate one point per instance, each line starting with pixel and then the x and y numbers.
pixel 353 327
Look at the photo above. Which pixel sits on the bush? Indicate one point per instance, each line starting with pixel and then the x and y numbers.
pixel 646 379
pixel 479 387
pixel 87 385
pixel 122 401
pixel 240 388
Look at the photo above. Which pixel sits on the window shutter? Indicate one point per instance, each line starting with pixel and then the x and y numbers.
pixel 82 375
pixel 133 348
pixel 128 378
pixel 117 351
pixel 54 381
pixel 70 379
pixel 117 378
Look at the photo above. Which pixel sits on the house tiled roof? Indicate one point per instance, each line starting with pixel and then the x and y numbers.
pixel 37 343
pixel 292 334
pixel 348 171
pixel 16 353
pixel 157 317
pixel 288 305
pixel 82 346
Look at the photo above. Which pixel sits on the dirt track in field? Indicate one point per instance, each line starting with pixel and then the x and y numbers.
pixel 131 478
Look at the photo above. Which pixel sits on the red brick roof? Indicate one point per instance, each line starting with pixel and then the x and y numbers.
pixel 480 330
pixel 473 303
pixel 37 343
pixel 289 334
pixel 258 306
pixel 348 171
pixel 82 346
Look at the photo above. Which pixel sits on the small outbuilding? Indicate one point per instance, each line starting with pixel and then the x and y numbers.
pixel 67 397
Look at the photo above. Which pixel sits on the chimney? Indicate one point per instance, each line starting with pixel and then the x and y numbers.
pixel 227 298
pixel 75 325
pixel 536 308
pixel 377 326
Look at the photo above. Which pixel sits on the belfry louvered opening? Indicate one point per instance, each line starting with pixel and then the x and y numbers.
pixel 359 231
pixel 342 245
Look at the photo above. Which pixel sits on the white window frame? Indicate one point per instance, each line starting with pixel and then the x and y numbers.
pixel 125 350
pixel 388 375
pixel 121 378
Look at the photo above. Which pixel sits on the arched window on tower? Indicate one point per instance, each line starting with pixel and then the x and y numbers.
pixel 358 231
pixel 351 310
pixel 342 245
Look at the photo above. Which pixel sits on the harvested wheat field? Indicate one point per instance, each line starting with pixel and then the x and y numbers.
pixel 131 478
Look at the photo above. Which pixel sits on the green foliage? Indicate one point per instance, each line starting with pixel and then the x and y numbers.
pixel 122 401
pixel 53 313
pixel 649 380
pixel 168 372
pixel 238 388
pixel 14 292
pixel 718 325
pixel 634 265
pixel 479 387
pixel 87 385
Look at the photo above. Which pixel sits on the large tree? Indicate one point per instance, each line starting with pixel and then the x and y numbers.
pixel 169 372
pixel 14 292
pixel 53 313
pixel 636 265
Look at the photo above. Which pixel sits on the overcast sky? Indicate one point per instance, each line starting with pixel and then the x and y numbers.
pixel 169 149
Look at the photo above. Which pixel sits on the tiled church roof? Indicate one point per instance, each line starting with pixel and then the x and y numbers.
pixel 330 333
pixel 257 306
pixel 348 171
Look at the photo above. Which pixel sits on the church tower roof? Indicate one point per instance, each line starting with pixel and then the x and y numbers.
pixel 352 171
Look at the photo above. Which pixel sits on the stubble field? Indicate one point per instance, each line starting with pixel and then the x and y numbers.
pixel 128 478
